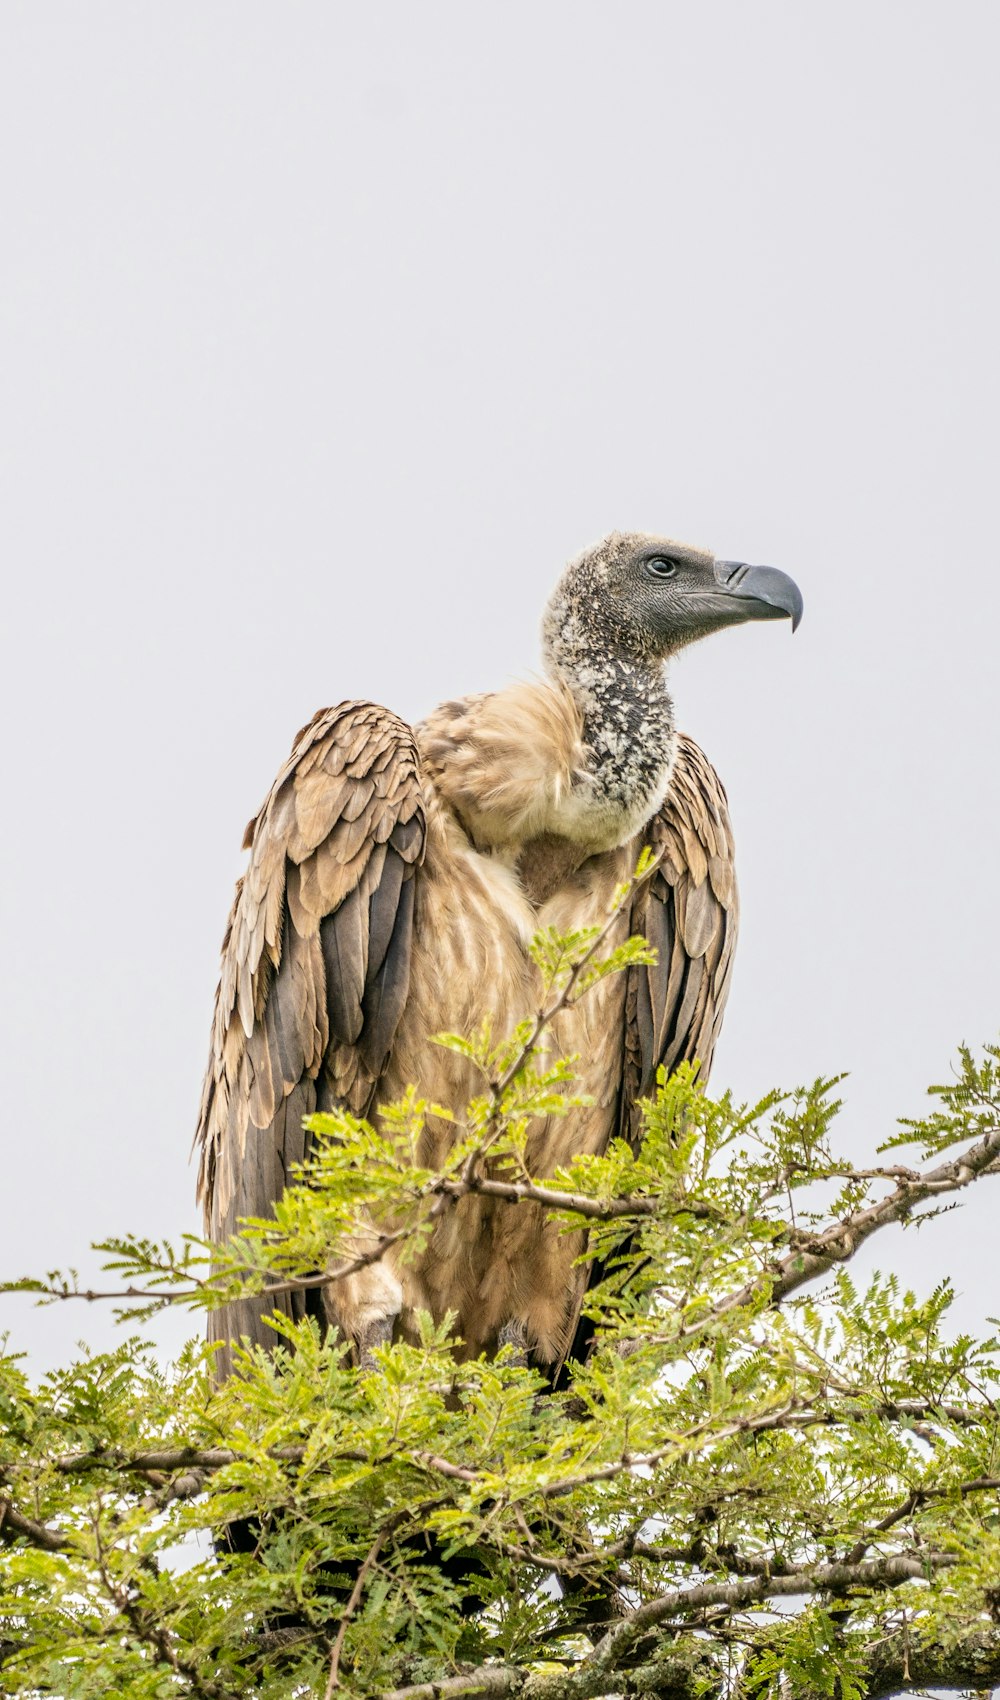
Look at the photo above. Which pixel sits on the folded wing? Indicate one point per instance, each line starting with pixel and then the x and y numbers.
pixel 689 912
pixel 315 965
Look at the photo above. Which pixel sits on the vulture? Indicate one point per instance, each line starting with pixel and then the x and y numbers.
pixel 396 877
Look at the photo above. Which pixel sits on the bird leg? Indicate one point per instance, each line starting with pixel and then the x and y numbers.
pixel 515 1334
pixel 363 1307
pixel 375 1332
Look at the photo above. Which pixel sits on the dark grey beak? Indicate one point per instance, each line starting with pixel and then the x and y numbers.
pixel 768 593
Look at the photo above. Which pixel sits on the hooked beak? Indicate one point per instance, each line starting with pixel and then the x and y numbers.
pixel 767 593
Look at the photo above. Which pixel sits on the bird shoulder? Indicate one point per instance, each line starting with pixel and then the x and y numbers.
pixel 504 761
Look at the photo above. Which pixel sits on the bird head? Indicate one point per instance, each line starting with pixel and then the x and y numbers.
pixel 647 597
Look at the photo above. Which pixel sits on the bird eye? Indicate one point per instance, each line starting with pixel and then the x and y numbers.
pixel 660 567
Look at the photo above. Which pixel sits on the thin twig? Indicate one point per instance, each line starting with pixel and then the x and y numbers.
pixel 349 1610
pixel 148 1630
pixel 914 1500
pixel 814 1255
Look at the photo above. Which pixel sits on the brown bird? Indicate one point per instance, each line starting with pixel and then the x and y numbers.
pixel 396 877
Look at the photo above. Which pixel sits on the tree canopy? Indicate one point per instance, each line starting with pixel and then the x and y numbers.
pixel 769 1477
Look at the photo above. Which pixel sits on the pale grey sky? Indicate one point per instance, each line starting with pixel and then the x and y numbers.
pixel 328 334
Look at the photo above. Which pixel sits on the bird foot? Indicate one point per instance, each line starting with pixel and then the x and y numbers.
pixel 515 1335
pixel 368 1339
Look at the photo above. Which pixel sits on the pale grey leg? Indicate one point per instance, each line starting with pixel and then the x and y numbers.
pixel 377 1332
pixel 515 1335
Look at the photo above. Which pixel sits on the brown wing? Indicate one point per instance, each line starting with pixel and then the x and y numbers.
pixel 689 911
pixel 315 963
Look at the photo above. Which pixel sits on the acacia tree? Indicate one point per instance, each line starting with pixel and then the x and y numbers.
pixel 765 1481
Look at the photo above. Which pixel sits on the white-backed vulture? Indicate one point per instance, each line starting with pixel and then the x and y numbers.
pixel 396 876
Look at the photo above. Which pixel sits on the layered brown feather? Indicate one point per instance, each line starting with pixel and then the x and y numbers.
pixel 315 960
pixel 395 880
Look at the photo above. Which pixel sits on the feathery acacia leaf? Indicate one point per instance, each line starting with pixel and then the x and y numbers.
pixel 754 1423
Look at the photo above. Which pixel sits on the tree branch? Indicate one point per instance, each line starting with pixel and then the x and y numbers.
pixel 971 1660
pixel 818 1578
pixel 348 1612
pixel 179 1473
pixel 577 1203
pixel 14 1524
pixel 814 1254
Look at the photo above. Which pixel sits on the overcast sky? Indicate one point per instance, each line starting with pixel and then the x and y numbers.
pixel 329 333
